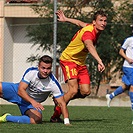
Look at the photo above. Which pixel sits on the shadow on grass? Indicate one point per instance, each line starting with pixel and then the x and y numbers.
pixel 85 120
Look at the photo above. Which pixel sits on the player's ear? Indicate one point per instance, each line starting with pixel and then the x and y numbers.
pixel 93 22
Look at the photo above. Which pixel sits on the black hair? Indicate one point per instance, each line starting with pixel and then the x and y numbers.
pixel 46 59
pixel 100 12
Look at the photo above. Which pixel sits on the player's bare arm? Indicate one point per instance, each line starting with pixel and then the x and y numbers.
pixel 122 53
pixel 22 93
pixel 63 18
pixel 93 52
pixel 64 109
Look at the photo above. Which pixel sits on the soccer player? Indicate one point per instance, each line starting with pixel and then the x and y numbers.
pixel 36 85
pixel 126 52
pixel 72 59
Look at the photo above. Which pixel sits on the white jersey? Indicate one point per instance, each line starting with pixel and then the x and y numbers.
pixel 40 88
pixel 128 47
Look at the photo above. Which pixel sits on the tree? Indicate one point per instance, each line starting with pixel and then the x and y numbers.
pixel 108 45
pixel 117 30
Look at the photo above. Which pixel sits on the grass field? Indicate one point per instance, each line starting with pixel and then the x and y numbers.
pixel 84 119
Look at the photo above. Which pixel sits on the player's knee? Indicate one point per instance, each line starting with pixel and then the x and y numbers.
pixel 131 88
pixel 1 90
pixel 86 93
pixel 36 120
pixel 73 93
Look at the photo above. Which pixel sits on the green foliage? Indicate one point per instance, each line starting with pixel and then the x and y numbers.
pixel 112 37
pixel 64 34
pixel 41 35
pixel 118 28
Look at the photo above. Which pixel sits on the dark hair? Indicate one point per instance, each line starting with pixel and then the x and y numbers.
pixel 46 59
pixel 100 12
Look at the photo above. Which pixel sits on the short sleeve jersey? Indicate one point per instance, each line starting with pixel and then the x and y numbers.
pixel 40 88
pixel 128 47
pixel 76 51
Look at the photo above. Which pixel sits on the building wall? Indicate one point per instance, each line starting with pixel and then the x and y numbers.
pixel 8 51
pixel 19 10
pixel 17 47
pixel 1 37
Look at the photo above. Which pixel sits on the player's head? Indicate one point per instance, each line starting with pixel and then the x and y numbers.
pixel 101 13
pixel 45 66
pixel 46 59
pixel 100 20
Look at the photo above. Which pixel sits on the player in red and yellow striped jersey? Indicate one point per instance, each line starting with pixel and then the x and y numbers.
pixel 73 58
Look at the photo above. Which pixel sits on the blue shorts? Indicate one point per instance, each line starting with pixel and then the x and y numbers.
pixel 128 76
pixel 10 94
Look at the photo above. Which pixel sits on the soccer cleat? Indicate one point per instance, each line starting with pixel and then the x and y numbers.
pixel 108 100
pixel 56 120
pixel 3 117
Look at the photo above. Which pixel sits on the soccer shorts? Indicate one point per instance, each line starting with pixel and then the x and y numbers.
pixel 128 76
pixel 73 71
pixel 10 94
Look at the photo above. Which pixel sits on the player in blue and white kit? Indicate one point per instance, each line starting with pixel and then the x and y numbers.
pixel 36 85
pixel 126 52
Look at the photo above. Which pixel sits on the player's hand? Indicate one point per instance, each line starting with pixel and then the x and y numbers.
pixel 37 105
pixel 130 61
pixel 61 16
pixel 101 67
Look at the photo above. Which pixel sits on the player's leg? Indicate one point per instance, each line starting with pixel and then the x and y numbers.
pixel 70 72
pixel 29 114
pixel 73 89
pixel 16 119
pixel 85 90
pixel 131 89
pixel 8 91
pixel 118 91
pixel 0 90
pixel 84 82
pixel 34 115
pixel 131 99
pixel 30 117
pixel 65 89
pixel 131 96
pixel 56 115
pixel 70 75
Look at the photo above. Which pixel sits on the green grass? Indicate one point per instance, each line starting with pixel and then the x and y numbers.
pixel 84 119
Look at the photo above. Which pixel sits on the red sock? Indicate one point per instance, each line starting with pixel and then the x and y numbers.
pixel 57 112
